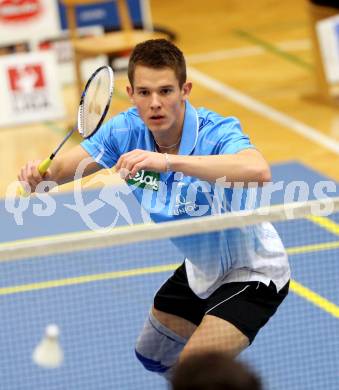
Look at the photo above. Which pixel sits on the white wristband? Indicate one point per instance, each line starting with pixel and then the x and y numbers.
pixel 168 162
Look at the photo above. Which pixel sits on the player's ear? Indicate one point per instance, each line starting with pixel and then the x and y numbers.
pixel 186 89
pixel 129 91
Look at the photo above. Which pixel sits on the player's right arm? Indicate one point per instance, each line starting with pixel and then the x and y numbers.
pixel 62 169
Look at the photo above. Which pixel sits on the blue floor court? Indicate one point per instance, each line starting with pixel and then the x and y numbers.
pixel 101 298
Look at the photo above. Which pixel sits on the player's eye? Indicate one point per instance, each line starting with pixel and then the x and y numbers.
pixel 143 92
pixel 166 91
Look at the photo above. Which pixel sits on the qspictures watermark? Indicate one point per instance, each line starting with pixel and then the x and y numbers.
pixel 179 197
pixel 193 200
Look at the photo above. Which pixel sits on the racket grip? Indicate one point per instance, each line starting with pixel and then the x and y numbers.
pixel 44 165
pixel 21 192
pixel 42 168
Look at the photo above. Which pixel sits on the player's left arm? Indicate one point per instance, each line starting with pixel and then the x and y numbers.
pixel 247 166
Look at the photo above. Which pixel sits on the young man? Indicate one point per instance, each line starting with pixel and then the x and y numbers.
pixel 233 281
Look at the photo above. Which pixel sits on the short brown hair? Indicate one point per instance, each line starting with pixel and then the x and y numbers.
pixel 213 371
pixel 157 54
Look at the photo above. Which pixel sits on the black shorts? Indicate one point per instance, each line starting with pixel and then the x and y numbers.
pixel 246 305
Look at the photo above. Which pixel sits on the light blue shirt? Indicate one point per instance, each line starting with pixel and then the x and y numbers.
pixel 175 195
pixel 210 258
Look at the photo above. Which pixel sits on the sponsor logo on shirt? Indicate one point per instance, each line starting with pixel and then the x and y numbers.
pixel 182 206
pixel 146 180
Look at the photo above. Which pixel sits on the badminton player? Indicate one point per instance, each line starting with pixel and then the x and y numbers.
pixel 231 283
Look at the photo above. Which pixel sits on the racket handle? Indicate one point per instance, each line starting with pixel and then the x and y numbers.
pixel 44 165
pixel 42 168
pixel 21 192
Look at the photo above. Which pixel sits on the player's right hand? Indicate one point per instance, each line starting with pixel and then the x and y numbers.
pixel 30 175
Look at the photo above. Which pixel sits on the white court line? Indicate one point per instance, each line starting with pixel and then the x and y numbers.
pixel 260 108
pixel 219 55
pixel 247 51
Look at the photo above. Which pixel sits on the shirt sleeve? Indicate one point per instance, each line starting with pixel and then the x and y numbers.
pixel 105 146
pixel 231 137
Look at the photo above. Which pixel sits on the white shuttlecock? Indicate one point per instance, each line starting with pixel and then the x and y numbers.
pixel 48 353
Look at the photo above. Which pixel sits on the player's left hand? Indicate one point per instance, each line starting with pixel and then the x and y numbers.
pixel 137 160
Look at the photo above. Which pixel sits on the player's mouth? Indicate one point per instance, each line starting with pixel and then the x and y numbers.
pixel 156 118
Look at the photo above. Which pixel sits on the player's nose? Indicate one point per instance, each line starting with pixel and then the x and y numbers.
pixel 155 101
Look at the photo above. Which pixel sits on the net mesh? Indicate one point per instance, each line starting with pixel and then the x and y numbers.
pixel 98 288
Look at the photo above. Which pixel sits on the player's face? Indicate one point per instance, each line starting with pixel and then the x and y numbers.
pixel 159 99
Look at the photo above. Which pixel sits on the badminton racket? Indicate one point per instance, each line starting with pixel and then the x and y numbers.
pixel 94 104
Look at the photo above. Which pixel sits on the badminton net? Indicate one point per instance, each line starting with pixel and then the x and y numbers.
pixel 98 287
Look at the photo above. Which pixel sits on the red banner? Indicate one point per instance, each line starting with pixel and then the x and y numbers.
pixel 18 11
pixel 29 77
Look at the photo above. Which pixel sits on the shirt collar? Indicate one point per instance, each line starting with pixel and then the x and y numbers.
pixel 189 135
pixel 190 129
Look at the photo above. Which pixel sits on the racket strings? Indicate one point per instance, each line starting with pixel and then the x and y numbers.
pixel 95 101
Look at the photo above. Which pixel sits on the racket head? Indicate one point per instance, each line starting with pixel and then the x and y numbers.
pixel 95 101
